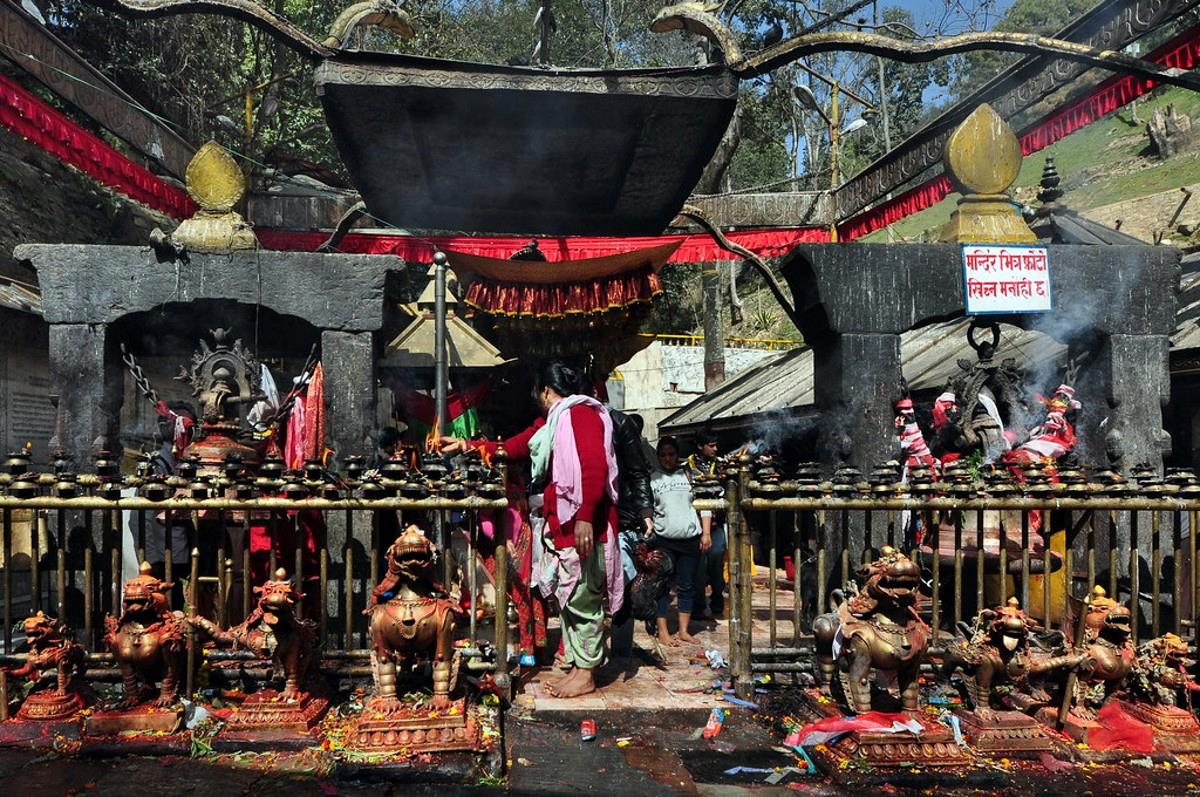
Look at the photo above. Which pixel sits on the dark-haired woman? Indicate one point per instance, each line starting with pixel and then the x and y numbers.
pixel 571 452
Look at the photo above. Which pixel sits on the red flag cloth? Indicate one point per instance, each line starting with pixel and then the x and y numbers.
pixel 424 409
pixel 824 730
pixel 314 417
pixel 1118 729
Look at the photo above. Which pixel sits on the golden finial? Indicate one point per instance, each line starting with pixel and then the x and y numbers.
pixel 280 574
pixel 983 158
pixel 145 568
pixel 217 185
pixel 1099 592
pixel 1013 603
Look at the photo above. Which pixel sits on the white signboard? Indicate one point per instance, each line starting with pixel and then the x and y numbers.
pixel 1009 278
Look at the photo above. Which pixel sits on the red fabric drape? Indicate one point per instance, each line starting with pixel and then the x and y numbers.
pixel 694 249
pixel 567 298
pixel 33 119
pixel 314 416
pixel 424 409
pixel 1182 52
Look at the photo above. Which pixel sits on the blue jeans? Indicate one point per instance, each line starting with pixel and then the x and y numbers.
pixel 685 555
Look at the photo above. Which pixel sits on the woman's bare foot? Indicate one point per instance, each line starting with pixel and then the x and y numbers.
pixel 579 682
pixel 688 639
pixel 558 678
pixel 667 641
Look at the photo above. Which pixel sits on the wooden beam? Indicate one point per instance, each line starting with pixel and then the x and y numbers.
pixel 29 45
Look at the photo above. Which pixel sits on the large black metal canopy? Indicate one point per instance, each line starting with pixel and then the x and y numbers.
pixel 448 145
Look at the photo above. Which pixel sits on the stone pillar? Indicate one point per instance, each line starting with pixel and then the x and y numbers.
pixel 714 331
pixel 348 359
pixel 85 376
pixel 856 379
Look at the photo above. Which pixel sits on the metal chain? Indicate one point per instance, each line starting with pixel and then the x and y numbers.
pixel 139 376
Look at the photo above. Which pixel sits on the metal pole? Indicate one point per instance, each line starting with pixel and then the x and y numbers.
pixel 834 141
pixel 883 102
pixel 441 365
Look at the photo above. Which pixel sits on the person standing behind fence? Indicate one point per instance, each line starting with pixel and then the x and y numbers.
pixel 571 456
pixel 702 465
pixel 680 533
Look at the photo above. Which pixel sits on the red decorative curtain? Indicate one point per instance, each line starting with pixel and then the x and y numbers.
pixel 420 407
pixel 569 298
pixel 32 119
pixel 693 249
pixel 1181 52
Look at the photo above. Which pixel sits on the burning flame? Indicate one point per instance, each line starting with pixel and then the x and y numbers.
pixel 325 457
pixel 485 456
pixel 433 439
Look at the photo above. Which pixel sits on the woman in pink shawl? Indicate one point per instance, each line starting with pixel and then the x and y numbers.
pixel 571 453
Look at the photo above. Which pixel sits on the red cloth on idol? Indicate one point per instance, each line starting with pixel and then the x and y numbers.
pixel 1118 729
pixel 314 416
pixel 595 507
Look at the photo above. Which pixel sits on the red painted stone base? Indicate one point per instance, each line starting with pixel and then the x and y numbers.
pixel 37 733
pixel 933 747
pixel 1011 735
pixel 413 730
pixel 265 711
pixel 1175 729
pixel 146 719
pixel 49 706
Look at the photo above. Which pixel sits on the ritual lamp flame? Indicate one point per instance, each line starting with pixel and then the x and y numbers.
pixel 433 439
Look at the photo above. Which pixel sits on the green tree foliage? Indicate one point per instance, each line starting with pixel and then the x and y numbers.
pixel 1023 16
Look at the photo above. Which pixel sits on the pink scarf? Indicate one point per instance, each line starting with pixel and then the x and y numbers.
pixel 567 477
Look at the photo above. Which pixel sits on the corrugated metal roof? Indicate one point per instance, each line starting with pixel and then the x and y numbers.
pixel 928 355
pixel 1187 331
pixel 20 297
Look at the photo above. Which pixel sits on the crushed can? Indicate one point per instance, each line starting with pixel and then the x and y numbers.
pixel 587 730
pixel 716 719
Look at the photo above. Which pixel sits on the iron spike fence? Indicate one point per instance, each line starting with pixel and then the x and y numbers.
pixel 978 551
pixel 78 579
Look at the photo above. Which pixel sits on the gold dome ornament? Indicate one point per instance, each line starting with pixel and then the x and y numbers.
pixel 217 185
pixel 983 158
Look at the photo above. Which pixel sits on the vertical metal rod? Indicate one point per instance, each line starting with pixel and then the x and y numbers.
pixel 272 564
pixel 193 596
pixel 745 679
pixel 3 695
pixel 62 584
pixel 472 574
pixel 221 593
pixel 936 616
pixel 348 609
pixel 115 565
pixel 958 566
pixel 1193 571
pixel 1025 561
pixel 822 566
pixel 141 539
pixel 321 598
pixel 246 586
pixel 8 568
pixel 1002 565
pixel 1068 573
pixel 1112 555
pixel 1091 552
pixel 868 536
pixel 798 548
pixel 298 578
pixel 168 553
pixel 117 525
pixel 501 630
pixel 1155 572
pixel 772 581
pixel 1177 557
pixel 980 563
pixel 890 520
pixel 735 584
pixel 87 596
pixel 1135 603
pixel 35 558
pixel 845 547
pixel 226 591
pixel 1047 566
pixel 440 359
pixel 60 546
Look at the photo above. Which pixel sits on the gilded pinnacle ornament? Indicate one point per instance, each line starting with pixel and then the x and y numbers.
pixel 983 158
pixel 217 185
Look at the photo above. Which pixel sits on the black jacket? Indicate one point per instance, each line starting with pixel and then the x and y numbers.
pixel 634 499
